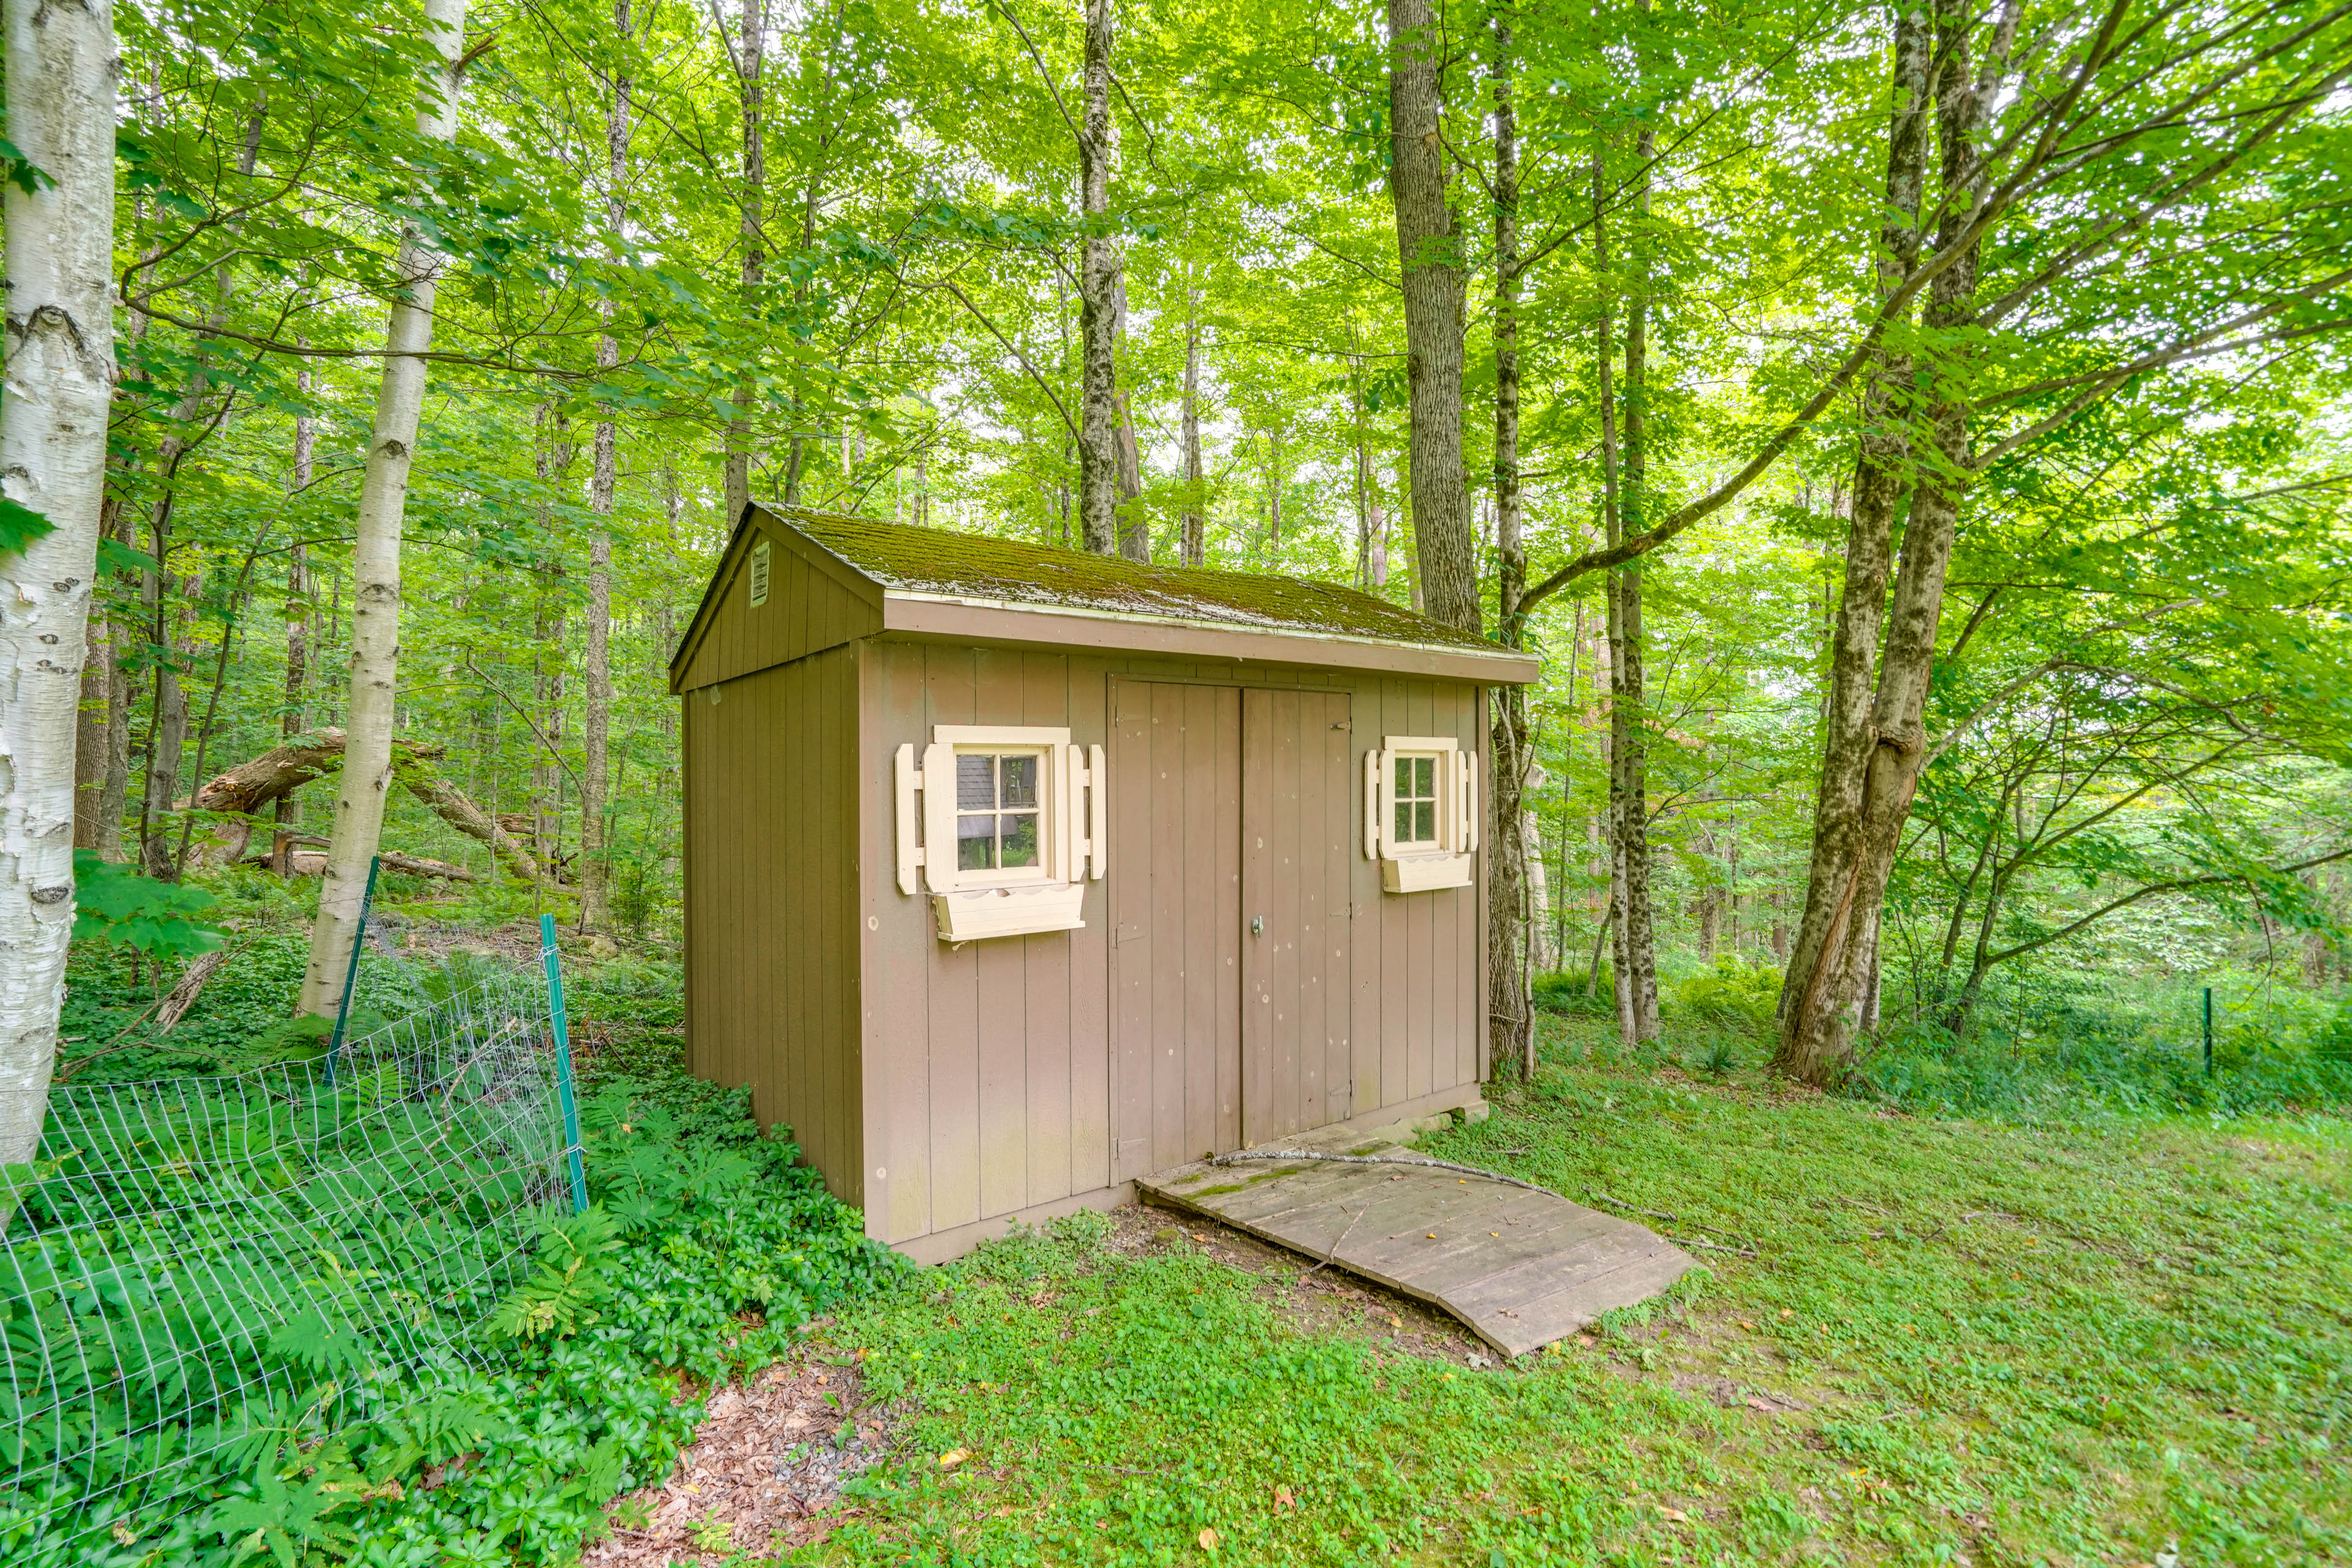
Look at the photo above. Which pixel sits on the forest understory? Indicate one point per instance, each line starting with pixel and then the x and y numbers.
pixel 2068 1328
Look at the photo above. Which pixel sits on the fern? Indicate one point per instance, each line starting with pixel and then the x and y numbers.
pixel 573 1278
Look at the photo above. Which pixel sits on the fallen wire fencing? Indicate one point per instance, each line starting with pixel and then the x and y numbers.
pixel 199 1273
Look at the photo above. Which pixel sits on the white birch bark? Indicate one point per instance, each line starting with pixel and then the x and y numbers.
pixel 595 879
pixel 62 67
pixel 375 563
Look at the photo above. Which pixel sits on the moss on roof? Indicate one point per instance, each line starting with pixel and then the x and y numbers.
pixel 973 565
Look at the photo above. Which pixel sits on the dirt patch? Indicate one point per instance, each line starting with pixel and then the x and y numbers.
pixel 1314 1300
pixel 763 1473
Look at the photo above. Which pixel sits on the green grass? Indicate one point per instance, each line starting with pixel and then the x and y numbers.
pixel 1974 1343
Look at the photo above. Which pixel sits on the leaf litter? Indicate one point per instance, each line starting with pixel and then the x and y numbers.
pixel 763 1474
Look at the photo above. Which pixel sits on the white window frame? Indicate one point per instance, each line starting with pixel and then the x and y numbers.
pixel 1072 829
pixel 1414 866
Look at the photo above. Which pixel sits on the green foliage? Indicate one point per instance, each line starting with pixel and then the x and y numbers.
pixel 162 920
pixel 1565 994
pixel 706 1250
pixel 20 525
pixel 1730 993
pixel 2044 1328
pixel 572 1280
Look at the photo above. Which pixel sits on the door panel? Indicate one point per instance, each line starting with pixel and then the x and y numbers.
pixel 1298 824
pixel 1175 899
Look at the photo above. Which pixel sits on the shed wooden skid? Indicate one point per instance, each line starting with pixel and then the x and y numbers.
pixel 1180 760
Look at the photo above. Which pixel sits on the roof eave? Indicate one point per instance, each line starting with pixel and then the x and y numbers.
pixel 920 613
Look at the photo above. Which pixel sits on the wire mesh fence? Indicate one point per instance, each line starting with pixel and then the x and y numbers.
pixel 199 1270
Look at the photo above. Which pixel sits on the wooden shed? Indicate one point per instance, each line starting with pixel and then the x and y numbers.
pixel 1014 874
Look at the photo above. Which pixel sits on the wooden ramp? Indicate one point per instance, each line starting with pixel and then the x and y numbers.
pixel 1521 1269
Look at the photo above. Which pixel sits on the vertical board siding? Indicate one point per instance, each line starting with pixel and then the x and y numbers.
pixel 951 697
pixel 772 899
pixel 1175 848
pixel 944 1086
pixel 998 691
pixel 808 610
pixel 897 957
pixel 1297 837
pixel 1092 1139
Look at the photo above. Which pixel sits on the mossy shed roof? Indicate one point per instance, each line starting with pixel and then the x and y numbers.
pixel 979 566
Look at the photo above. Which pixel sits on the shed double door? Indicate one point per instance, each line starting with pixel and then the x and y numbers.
pixel 1232 818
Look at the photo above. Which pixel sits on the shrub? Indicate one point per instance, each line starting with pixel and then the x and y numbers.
pixel 1730 993
pixel 1564 992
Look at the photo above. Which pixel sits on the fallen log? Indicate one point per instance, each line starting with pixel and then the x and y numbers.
pixel 313 863
pixel 244 790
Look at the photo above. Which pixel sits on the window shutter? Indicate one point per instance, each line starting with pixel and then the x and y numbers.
pixel 1371 803
pixel 939 817
pixel 907 781
pixel 1468 763
pixel 1384 800
pixel 1097 816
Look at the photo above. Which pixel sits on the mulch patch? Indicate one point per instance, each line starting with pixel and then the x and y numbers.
pixel 763 1474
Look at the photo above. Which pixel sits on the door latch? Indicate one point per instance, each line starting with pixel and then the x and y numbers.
pixel 1257 925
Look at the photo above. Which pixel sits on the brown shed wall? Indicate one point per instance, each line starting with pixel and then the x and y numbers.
pixel 991 1070
pixel 771 952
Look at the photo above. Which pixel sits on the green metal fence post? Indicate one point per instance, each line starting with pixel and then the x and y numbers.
pixel 562 1061
pixel 351 970
pixel 2208 1031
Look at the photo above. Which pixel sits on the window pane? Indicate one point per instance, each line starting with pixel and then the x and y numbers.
pixel 1424 776
pixel 1404 822
pixel 1020 838
pixel 1405 777
pixel 1020 781
pixel 1424 817
pixel 976 784
pixel 976 843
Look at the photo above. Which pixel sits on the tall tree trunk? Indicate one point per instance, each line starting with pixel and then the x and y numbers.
pixel 1429 252
pixel 167 719
pixel 114 791
pixel 287 810
pixel 1871 768
pixel 1623 471
pixel 1099 288
pixel 376 561
pixel 1363 475
pixel 1510 1013
pixel 597 660
pixel 60 69
pixel 752 48
pixel 94 721
pixel 1195 546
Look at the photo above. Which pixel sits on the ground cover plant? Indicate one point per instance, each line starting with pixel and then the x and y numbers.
pixel 338 1432
pixel 1958 1340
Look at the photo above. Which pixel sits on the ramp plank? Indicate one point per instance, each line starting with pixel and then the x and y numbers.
pixel 1520 1268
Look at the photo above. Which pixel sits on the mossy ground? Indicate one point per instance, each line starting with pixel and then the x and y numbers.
pixel 1960 1342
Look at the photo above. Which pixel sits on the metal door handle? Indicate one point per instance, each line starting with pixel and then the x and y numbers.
pixel 1257 925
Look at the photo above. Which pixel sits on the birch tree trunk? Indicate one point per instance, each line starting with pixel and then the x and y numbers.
pixel 1429 252
pixel 60 382
pixel 1511 1017
pixel 1098 290
pixel 1195 546
pixel 595 880
pixel 375 561
pixel 752 46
